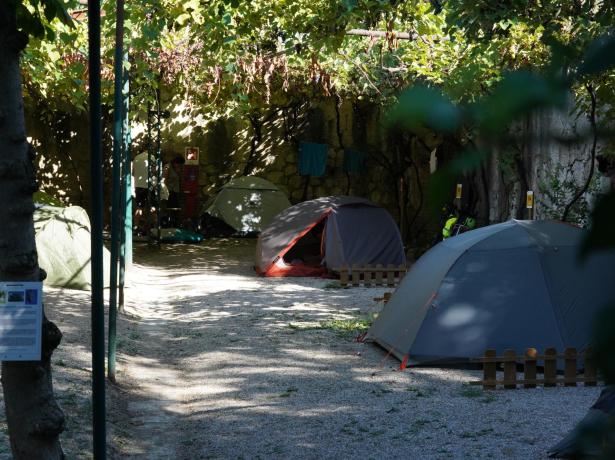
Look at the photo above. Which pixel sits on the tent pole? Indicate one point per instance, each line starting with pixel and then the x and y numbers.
pixel 98 304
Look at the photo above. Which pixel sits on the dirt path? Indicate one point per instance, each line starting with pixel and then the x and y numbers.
pixel 228 365
pixel 210 344
pixel 214 362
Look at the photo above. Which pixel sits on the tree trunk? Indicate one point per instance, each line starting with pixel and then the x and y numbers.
pixel 34 419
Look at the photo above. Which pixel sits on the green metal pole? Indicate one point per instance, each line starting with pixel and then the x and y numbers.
pixel 98 305
pixel 158 163
pixel 126 234
pixel 127 170
pixel 150 156
pixel 122 246
pixel 117 164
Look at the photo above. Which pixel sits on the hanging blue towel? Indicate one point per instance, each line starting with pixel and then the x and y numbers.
pixel 312 159
pixel 353 161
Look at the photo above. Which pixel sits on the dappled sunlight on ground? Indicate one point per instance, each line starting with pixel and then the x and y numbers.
pixel 216 362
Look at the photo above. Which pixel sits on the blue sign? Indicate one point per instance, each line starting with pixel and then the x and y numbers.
pixel 21 319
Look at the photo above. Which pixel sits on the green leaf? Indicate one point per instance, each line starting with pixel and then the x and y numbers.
pixel 29 22
pixel 518 94
pixel 183 18
pixel 440 190
pixel 601 233
pixel 469 160
pixel 350 4
pixel 442 182
pixel 600 56
pixel 604 342
pixel 56 9
pixel 421 107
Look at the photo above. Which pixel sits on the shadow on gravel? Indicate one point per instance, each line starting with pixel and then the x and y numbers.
pixel 261 374
pixel 217 256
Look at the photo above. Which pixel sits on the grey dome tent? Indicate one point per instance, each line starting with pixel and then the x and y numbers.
pixel 517 284
pixel 63 246
pixel 246 204
pixel 327 233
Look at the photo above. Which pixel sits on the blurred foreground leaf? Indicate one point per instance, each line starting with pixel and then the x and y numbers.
pixel 602 232
pixel 516 96
pixel 604 343
pixel 439 189
pixel 421 107
pixel 442 182
pixel 600 56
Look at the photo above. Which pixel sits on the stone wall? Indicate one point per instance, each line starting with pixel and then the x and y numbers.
pixel 228 148
pixel 268 146
pixel 553 169
pixel 231 148
pixel 62 146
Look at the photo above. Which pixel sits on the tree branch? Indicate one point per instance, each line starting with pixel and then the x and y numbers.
pixel 381 34
pixel 592 121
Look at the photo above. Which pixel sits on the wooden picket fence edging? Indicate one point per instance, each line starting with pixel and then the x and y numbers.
pixel 385 298
pixel 371 275
pixel 510 360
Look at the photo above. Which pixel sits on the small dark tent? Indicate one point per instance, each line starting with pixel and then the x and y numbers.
pixel 315 236
pixel 517 284
pixel 245 205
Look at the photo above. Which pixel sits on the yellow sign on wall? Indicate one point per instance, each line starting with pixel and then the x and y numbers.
pixel 458 191
pixel 529 199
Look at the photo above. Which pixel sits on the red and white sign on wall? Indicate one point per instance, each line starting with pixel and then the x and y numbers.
pixel 191 155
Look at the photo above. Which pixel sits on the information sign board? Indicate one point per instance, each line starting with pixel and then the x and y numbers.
pixel 21 319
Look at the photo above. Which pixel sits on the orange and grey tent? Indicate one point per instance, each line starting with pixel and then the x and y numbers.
pixel 316 236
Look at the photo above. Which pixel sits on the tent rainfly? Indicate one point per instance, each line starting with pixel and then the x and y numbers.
pixel 246 204
pixel 63 246
pixel 517 284
pixel 315 236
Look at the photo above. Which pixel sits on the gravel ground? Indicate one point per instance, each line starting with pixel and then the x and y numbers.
pixel 215 362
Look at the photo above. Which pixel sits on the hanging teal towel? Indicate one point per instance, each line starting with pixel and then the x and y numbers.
pixel 353 161
pixel 312 159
